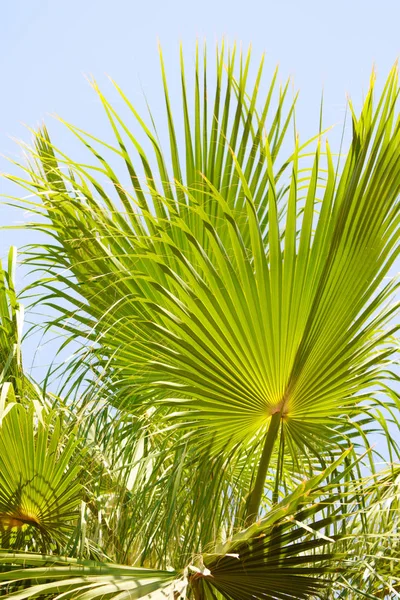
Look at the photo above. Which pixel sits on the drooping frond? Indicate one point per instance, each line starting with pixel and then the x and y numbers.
pixel 51 576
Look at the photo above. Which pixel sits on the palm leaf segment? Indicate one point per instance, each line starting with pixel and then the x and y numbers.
pixel 247 289
pixel 13 380
pixel 11 320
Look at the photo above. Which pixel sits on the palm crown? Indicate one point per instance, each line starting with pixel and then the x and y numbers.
pixel 237 338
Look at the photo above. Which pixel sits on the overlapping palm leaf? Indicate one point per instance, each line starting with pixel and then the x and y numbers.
pixel 242 290
pixel 232 306
pixel 287 554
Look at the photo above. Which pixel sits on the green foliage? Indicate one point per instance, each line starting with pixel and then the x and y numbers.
pixel 39 487
pixel 232 309
pixel 11 318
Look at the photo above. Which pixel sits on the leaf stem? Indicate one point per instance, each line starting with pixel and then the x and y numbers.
pixel 254 498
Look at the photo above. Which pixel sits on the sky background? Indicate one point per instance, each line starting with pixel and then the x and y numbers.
pixel 51 46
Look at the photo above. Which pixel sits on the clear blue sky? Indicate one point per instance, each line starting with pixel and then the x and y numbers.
pixel 48 46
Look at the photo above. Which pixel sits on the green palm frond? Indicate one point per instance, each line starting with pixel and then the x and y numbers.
pixel 40 491
pixel 236 333
pixel 11 321
pixel 288 553
pixel 222 295
pixel 50 576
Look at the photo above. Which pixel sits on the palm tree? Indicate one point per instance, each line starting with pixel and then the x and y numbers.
pixel 235 336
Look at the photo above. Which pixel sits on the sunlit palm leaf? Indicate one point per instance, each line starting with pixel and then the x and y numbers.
pixel 219 299
pixel 220 303
pixel 239 291
pixel 39 484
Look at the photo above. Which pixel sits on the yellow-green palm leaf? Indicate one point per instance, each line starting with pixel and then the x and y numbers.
pixel 40 490
pixel 243 287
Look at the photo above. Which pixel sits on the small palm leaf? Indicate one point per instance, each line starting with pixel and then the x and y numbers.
pixel 39 480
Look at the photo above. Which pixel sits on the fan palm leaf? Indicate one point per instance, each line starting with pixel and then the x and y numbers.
pixel 231 305
pixel 242 299
pixel 40 491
